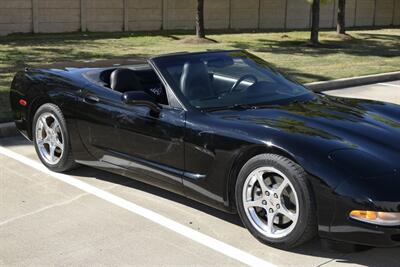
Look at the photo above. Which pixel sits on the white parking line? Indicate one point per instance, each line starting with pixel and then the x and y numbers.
pixel 389 84
pixel 183 230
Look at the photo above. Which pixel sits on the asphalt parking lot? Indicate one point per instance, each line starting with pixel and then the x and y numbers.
pixel 89 217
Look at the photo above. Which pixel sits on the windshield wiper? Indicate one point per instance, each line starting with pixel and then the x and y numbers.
pixel 231 107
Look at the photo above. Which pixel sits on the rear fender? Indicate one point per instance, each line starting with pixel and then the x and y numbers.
pixel 39 87
pixel 23 88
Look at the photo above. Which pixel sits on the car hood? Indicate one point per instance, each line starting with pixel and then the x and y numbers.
pixel 328 122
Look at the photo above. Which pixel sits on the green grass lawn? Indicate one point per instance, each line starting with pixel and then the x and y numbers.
pixel 369 52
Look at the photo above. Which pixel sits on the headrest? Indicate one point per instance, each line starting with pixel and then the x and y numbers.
pixel 123 80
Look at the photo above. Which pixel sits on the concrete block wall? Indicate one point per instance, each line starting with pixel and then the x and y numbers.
pixel 365 12
pixel 147 15
pixel 384 12
pixel 104 15
pixel 350 13
pixel 244 14
pixel 273 14
pixel 15 16
pixel 328 15
pixel 144 15
pixel 396 12
pixel 58 15
pixel 298 14
pixel 179 14
pixel 216 14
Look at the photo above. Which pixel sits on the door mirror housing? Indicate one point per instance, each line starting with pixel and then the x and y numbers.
pixel 141 98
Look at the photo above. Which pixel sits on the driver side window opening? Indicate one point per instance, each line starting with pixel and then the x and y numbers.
pixel 124 79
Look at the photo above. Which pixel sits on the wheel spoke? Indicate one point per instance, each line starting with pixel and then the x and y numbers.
pixel 288 214
pixel 270 222
pixel 59 144
pixel 52 152
pixel 55 125
pixel 254 203
pixel 43 141
pixel 281 187
pixel 261 182
pixel 44 123
pixel 40 142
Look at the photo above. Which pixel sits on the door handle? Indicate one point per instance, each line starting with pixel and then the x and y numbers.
pixel 91 99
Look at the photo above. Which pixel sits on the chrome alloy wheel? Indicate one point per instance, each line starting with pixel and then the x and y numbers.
pixel 49 138
pixel 270 202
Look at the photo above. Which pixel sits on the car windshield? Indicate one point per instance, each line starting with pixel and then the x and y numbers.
pixel 228 79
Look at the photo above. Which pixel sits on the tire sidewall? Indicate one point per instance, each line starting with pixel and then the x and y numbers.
pixel 54 110
pixel 299 183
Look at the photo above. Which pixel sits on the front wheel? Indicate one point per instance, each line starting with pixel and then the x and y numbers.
pixel 51 138
pixel 274 201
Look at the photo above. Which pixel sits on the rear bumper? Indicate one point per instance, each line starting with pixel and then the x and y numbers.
pixel 21 115
pixel 21 127
pixel 20 112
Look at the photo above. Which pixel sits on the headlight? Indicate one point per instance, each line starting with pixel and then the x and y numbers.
pixel 376 217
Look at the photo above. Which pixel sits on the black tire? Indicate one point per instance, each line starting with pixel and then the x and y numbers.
pixel 66 161
pixel 306 226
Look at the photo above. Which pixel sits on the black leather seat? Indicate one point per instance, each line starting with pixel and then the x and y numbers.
pixel 195 82
pixel 123 80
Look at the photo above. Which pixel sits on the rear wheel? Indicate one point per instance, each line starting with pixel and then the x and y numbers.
pixel 274 201
pixel 51 138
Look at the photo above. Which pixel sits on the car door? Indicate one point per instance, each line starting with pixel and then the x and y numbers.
pixel 95 117
pixel 150 144
pixel 129 137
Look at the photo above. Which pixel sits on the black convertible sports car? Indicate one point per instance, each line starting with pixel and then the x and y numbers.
pixel 226 129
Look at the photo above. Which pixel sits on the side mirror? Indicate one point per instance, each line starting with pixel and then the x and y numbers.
pixel 141 98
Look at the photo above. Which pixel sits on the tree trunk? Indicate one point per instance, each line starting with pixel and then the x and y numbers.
pixel 315 21
pixel 200 33
pixel 341 25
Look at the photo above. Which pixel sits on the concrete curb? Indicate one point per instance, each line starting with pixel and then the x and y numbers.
pixel 8 129
pixel 355 81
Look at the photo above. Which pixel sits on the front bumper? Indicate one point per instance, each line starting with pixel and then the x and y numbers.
pixel 343 228
pixel 366 194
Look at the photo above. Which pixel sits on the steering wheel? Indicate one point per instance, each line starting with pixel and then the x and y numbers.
pixel 241 79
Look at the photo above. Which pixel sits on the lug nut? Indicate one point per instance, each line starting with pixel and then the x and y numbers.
pixel 267 193
pixel 278 206
pixel 264 202
pixel 275 195
pixel 271 210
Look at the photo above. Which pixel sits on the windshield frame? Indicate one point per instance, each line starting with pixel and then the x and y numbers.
pixel 159 60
